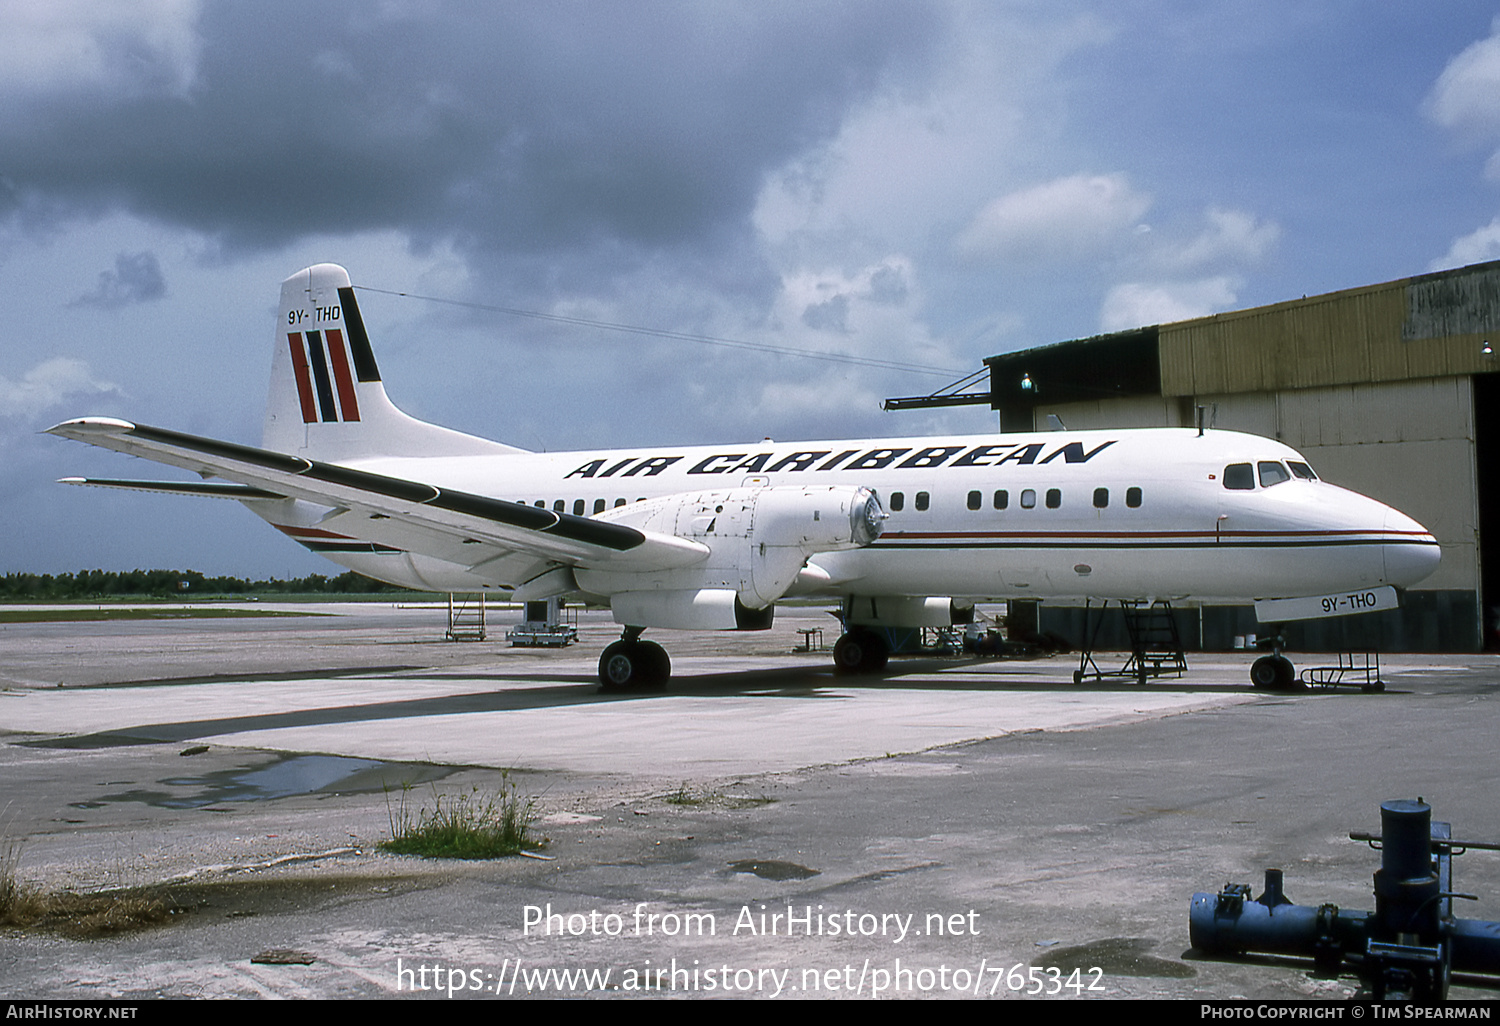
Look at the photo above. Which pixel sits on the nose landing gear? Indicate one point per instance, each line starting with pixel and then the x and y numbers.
pixel 1273 672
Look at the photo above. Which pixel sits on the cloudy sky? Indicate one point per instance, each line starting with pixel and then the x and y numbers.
pixel 922 184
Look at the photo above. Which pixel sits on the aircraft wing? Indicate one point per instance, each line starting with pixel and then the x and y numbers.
pixel 442 517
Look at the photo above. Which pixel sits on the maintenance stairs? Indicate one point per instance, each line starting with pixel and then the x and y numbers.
pixel 466 617
pixel 1155 644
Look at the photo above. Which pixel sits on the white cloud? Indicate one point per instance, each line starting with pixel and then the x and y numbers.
pixel 1232 236
pixel 873 312
pixel 122 48
pixel 1137 304
pixel 918 155
pixel 46 385
pixel 1466 97
pixel 1478 246
pixel 1076 216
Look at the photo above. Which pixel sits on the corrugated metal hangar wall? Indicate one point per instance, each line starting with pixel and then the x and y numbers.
pixel 1390 390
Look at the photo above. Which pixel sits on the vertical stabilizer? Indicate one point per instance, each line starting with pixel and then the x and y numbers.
pixel 326 399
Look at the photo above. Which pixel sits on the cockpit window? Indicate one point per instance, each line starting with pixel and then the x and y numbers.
pixel 1302 470
pixel 1239 475
pixel 1272 473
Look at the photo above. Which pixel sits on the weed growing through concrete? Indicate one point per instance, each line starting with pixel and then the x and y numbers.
pixel 74 915
pixel 16 898
pixel 477 825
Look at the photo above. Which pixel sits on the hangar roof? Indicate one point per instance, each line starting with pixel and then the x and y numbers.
pixel 1429 326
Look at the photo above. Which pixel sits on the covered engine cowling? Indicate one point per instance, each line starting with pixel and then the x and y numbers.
pixel 759 540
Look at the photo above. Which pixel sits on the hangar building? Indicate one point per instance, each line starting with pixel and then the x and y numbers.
pixel 1390 390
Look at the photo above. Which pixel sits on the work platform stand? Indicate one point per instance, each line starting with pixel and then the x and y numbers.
pixel 1155 645
pixel 1348 673
pixel 466 617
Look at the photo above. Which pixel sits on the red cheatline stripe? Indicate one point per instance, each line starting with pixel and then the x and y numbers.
pixel 1372 534
pixel 348 405
pixel 299 370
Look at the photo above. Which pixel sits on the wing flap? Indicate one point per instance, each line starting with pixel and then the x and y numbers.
pixel 206 489
pixel 418 506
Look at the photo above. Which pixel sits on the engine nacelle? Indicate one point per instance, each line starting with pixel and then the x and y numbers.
pixel 906 611
pixel 759 539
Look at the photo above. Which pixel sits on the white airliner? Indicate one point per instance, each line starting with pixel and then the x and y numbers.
pixel 904 531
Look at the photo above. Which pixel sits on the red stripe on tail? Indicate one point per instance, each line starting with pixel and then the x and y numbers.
pixel 348 405
pixel 304 383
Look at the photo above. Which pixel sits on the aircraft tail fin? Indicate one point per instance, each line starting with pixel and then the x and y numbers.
pixel 326 400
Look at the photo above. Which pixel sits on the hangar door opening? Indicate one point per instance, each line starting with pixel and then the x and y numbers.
pixel 1487 469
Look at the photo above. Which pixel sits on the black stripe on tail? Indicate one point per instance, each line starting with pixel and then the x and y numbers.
pixel 359 342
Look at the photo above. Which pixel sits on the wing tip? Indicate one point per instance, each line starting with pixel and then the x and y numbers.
pixel 82 426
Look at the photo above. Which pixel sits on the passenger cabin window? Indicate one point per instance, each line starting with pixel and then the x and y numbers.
pixel 1002 499
pixel 1101 498
pixel 898 502
pixel 1302 470
pixel 923 500
pixel 1133 498
pixel 1239 476
pixel 578 507
pixel 598 505
pixel 1028 498
pixel 619 502
pixel 559 506
pixel 1054 498
pixel 975 500
pixel 1272 473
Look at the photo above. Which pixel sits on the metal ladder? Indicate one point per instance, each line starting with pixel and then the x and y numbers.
pixel 1155 644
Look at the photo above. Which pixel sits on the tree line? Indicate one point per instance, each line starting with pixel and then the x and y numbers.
pixel 98 584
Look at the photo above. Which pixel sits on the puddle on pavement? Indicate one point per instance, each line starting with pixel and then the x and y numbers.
pixel 773 869
pixel 282 778
pixel 1118 956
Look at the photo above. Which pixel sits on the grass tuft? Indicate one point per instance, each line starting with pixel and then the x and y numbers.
pixel 73 915
pixel 18 902
pixel 476 825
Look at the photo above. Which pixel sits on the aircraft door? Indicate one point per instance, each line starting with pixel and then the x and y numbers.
pixel 1236 479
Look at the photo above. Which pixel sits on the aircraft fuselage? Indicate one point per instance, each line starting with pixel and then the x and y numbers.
pixel 1105 514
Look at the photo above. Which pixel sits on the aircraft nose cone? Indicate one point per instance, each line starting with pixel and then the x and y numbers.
pixel 1411 552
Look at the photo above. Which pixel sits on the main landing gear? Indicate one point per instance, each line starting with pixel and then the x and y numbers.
pixel 861 650
pixel 633 663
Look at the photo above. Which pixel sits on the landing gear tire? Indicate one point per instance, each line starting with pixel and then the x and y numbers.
pixel 658 663
pixel 633 664
pixel 1273 673
pixel 860 651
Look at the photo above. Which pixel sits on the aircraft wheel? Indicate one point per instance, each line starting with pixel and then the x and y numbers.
pixel 1273 673
pixel 629 664
pixel 860 651
pixel 618 666
pixel 657 664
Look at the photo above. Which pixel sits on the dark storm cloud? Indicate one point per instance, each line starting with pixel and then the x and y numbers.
pixel 137 278
pixel 508 127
